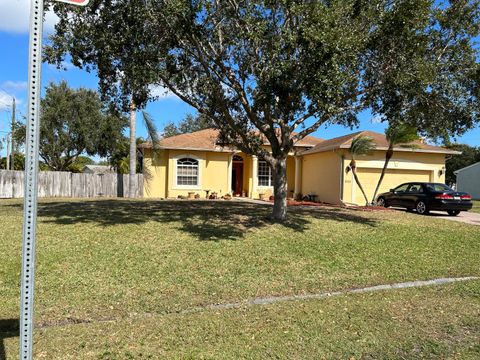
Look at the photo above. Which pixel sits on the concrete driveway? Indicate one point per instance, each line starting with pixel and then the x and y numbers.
pixel 465 217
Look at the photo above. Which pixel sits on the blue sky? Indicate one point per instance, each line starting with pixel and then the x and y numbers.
pixel 14 15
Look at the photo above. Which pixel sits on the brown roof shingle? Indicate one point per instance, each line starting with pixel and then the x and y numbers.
pixel 207 140
pixel 381 142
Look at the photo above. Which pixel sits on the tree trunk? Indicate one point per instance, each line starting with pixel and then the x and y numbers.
pixel 353 166
pixel 279 169
pixel 388 156
pixel 132 184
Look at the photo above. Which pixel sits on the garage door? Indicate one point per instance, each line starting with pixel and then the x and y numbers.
pixel 393 177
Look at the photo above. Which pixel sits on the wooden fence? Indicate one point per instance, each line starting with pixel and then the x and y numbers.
pixel 66 184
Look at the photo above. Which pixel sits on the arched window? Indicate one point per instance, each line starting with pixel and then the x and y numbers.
pixel 187 172
pixel 237 158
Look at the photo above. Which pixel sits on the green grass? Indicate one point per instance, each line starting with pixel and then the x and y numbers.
pixel 476 206
pixel 140 263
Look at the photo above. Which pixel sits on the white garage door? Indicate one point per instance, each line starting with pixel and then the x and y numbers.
pixel 393 177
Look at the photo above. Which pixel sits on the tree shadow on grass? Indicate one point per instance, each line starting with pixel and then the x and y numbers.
pixel 8 328
pixel 207 220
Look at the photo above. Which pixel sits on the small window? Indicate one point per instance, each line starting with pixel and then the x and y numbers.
pixel 187 172
pixel 237 158
pixel 265 177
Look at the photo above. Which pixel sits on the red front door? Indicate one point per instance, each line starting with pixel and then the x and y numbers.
pixel 237 179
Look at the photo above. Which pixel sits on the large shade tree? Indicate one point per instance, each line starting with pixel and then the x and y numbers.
pixel 422 69
pixel 74 122
pixel 108 37
pixel 279 70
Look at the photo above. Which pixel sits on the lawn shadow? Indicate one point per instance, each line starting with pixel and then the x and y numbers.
pixel 205 219
pixel 9 328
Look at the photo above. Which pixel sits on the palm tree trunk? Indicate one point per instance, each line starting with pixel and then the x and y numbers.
pixel 279 168
pixel 132 184
pixel 388 156
pixel 353 166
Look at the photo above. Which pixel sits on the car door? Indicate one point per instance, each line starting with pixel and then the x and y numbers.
pixel 398 194
pixel 412 195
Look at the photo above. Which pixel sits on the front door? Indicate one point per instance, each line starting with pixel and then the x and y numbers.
pixel 237 179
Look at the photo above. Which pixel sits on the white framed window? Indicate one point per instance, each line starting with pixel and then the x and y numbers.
pixel 187 172
pixel 265 176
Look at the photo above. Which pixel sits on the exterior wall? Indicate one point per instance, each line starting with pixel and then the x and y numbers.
pixel 215 176
pixel 321 176
pixel 160 173
pixel 268 190
pixel 155 172
pixel 468 180
pixel 403 167
pixel 290 176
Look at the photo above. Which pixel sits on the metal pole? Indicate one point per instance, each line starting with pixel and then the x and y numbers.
pixel 31 177
pixel 8 152
pixel 12 153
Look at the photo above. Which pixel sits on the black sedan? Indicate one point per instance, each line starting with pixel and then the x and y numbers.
pixel 424 197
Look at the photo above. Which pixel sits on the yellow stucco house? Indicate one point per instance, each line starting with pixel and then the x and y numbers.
pixel 197 163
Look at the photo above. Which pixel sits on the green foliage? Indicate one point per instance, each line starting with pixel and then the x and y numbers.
pixel 119 159
pixel 73 122
pixel 188 125
pixel 18 162
pixel 470 155
pixel 279 70
pixel 79 163
pixel 422 66
pixel 361 145
pixel 400 133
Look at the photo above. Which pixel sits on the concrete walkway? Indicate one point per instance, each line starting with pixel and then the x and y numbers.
pixel 264 301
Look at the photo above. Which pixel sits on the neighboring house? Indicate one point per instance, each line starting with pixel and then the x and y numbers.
pixel 468 180
pixel 98 169
pixel 196 162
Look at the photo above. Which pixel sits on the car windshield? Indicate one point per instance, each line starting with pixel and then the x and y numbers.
pixel 438 187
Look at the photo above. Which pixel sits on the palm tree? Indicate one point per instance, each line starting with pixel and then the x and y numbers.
pixel 152 135
pixel 361 145
pixel 396 134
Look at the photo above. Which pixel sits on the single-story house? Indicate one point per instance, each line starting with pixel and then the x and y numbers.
pixel 196 162
pixel 468 180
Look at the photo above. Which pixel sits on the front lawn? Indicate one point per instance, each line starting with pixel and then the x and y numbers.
pixel 476 206
pixel 144 265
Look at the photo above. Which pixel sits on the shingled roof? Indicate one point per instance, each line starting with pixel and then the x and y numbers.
pixel 381 142
pixel 206 140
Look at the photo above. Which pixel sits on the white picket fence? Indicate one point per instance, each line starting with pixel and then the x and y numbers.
pixel 66 184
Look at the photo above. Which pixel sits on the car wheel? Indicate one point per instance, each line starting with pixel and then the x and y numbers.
pixel 382 202
pixel 453 212
pixel 421 208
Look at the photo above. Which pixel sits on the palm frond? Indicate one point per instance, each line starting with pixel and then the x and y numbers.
pixel 401 134
pixel 362 145
pixel 152 132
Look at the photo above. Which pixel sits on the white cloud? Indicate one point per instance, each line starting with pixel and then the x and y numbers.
pixel 5 100
pixel 377 119
pixel 14 86
pixel 15 16
pixel 162 93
